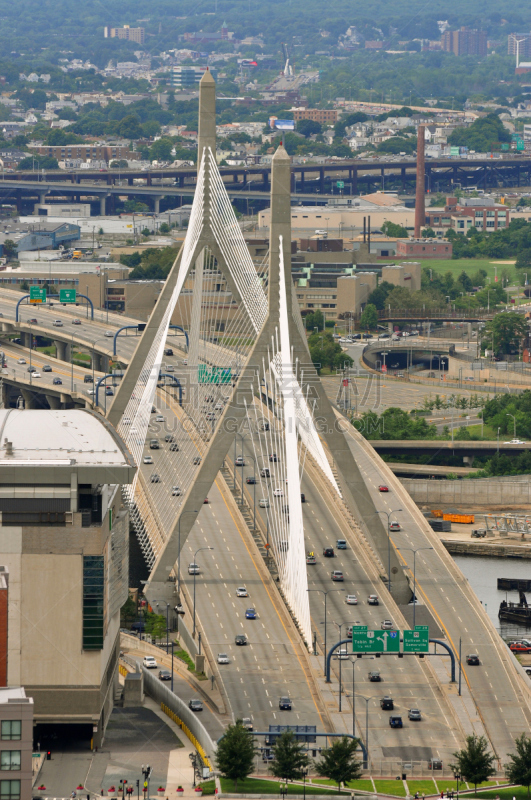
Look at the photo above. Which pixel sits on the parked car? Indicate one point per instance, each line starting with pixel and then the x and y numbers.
pixel 519 648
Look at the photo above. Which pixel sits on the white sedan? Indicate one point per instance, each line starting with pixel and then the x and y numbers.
pixel 515 441
pixel 223 658
pixel 351 600
pixel 241 591
pixel 278 492
pixel 36 374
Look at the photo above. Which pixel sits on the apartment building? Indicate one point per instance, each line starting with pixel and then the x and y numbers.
pixel 136 35
pixel 86 152
pixel 465 42
pixel 321 115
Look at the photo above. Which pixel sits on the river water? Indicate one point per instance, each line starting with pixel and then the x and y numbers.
pixel 483 573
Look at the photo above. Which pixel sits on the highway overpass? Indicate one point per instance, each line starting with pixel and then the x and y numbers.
pixel 415 447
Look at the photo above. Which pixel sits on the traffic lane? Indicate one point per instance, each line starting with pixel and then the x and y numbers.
pixel 268 660
pixel 416 689
pixel 495 679
pixel 321 530
pixel 186 691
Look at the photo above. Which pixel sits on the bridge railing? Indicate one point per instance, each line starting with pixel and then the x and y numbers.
pixel 439 313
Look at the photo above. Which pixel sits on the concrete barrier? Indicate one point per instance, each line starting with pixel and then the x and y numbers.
pixel 186 719
pixel 481 491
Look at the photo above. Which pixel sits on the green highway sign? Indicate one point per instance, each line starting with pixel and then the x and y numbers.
pixel 365 641
pixel 37 294
pixel 340 184
pixel 417 641
pixel 67 295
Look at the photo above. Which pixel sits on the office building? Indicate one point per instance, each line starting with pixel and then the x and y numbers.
pixel 64 540
pixel 136 35
pixel 16 743
pixel 465 42
pixel 189 76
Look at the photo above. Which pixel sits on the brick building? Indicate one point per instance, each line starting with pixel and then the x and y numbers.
pixel 478 212
pixel 321 115
pixel 465 42
pixel 130 34
pixel 423 248
pixel 16 744
pixel 96 152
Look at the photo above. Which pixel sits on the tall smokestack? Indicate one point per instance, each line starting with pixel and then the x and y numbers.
pixel 420 209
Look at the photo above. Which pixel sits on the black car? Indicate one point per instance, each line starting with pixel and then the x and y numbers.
pixel 250 480
pixel 155 478
pixel 196 460
pixel 387 703
pixel 47 368
pixel 396 722
pixel 195 705
pixel 88 379
pixel 168 351
pixel 328 552
pixel 174 447
pixel 273 457
pixel 32 369
pixel 57 382
pixel 264 473
pixel 169 437
pixel 472 660
pixel 241 639
pixel 284 704
pixel 164 675
pixel 303 497
pixel 109 392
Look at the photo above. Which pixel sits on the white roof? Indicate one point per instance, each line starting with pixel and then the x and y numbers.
pixel 13 693
pixel 49 442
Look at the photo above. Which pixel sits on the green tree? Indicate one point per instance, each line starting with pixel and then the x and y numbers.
pixel 395 230
pixel 505 332
pixel 235 753
pixel 161 150
pixel 314 320
pixel 474 762
pixel 428 233
pixel 307 127
pixel 24 287
pixel 9 248
pixel 369 317
pixel 519 770
pixel 164 227
pixel 119 164
pixel 130 127
pixel 339 763
pixel 290 758
pixel 155 624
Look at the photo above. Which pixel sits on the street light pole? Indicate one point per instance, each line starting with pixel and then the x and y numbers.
pixel 179 553
pixel 195 555
pixel 514 421
pixel 415 551
pixel 340 625
pixel 325 599
pixel 367 699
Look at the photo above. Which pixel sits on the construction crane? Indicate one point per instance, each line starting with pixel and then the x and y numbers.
pixel 288 69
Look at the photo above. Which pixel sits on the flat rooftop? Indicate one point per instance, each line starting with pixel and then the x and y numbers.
pixel 46 446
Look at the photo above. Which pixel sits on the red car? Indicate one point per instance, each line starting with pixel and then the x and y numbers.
pixel 519 648
pixel 383 488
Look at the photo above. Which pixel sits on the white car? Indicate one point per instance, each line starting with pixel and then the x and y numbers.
pixel 241 591
pixel 21 361
pixel 223 658
pixel 351 600
pixel 57 323
pixel 515 441
pixel 387 625
pixel 36 374
pixel 109 334
pixel 148 460
pixel 176 491
pixel 159 418
pixel 264 503
pixel 149 662
pixel 278 492
pixel 193 569
pixel 126 421
pixel 341 654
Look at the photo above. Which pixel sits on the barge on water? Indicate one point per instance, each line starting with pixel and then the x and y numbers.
pixel 516 612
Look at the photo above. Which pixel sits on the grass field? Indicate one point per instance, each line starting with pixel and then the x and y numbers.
pixel 361 785
pixel 422 787
pixel 469 265
pixel 520 792
pixel 396 788
pixel 258 786
pixel 451 784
